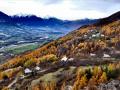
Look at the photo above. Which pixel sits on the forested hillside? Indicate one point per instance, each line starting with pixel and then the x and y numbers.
pixel 85 57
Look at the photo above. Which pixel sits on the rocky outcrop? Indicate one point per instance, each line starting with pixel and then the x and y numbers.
pixel 112 85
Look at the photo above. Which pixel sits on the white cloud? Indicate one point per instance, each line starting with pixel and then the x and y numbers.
pixel 63 9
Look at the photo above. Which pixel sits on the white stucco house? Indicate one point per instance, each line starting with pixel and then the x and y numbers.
pixel 92 54
pixel 27 71
pixel 85 36
pixel 70 59
pixel 93 35
pixel 37 68
pixel 106 56
pixel 102 35
pixel 64 58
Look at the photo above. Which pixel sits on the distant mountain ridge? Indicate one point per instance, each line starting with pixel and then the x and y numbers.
pixel 32 20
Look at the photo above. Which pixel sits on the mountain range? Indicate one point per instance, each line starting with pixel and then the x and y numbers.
pixel 32 20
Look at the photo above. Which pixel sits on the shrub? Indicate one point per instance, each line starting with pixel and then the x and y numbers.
pixel 103 78
pixel 50 57
pixel 5 76
pixel 29 63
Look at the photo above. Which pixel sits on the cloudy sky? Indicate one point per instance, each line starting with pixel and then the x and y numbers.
pixel 62 9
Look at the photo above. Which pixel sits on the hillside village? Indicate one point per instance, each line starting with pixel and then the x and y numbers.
pixel 85 59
